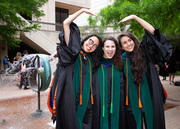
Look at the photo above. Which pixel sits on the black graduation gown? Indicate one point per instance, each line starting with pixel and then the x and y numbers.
pixel 155 48
pixel 96 83
pixel 172 64
pixel 66 103
pixel 163 70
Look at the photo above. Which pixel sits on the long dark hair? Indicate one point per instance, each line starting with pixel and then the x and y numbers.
pixel 137 61
pixel 117 60
pixel 96 55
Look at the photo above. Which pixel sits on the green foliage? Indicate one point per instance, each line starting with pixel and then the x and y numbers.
pixel 92 29
pixel 11 24
pixel 163 14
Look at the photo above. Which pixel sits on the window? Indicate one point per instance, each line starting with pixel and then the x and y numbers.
pixel 61 15
pixel 26 17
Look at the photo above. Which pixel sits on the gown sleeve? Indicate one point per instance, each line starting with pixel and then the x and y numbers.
pixel 156 48
pixel 68 54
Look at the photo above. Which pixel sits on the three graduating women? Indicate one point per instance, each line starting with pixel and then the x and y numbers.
pixel 108 103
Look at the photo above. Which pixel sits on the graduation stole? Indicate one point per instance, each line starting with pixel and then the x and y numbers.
pixel 144 93
pixel 115 94
pixel 86 88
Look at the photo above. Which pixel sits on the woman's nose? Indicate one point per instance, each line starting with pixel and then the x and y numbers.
pixel 90 45
pixel 128 43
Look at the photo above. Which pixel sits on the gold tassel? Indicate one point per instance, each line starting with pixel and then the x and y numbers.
pixel 140 104
pixel 126 81
pixel 80 81
pixel 92 101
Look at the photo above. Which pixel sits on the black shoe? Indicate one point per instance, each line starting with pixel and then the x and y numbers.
pixel 164 79
pixel 25 88
pixel 19 86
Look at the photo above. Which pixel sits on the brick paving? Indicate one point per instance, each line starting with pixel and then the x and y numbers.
pixel 8 91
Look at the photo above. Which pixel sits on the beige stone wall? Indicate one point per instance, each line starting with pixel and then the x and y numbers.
pixel 78 3
pixel 49 11
pixel 53 35
pixel 73 5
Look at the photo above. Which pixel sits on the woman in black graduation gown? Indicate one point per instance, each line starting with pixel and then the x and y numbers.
pixel 109 79
pixel 72 93
pixel 144 91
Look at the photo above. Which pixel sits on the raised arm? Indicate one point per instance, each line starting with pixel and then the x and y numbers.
pixel 145 24
pixel 70 19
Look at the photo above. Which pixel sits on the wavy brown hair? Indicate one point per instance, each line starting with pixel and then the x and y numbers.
pixel 117 60
pixel 137 60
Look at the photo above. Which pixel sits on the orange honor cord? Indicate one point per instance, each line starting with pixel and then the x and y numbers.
pixel 140 104
pixel 126 81
pixel 80 81
pixel 92 101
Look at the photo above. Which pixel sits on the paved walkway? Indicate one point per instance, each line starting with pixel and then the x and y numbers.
pixel 8 91
pixel 172 116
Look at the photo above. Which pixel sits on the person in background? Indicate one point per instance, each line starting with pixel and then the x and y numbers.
pixel 23 72
pixel 17 57
pixel 5 62
pixel 25 52
pixel 172 67
pixel 16 61
pixel 144 94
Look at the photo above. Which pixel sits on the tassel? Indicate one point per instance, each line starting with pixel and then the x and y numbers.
pixel 81 81
pixel 103 111
pixel 111 110
pixel 92 101
pixel 140 104
pixel 80 99
pixel 126 81
pixel 103 92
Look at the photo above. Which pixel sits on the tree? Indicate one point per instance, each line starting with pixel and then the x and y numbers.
pixel 163 14
pixel 92 28
pixel 11 24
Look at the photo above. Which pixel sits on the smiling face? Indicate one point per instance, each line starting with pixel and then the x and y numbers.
pixel 127 44
pixel 90 44
pixel 109 49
